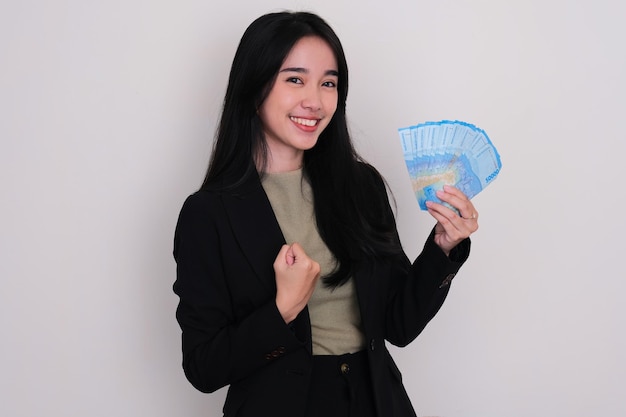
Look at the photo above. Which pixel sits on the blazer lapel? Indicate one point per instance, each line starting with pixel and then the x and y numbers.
pixel 256 229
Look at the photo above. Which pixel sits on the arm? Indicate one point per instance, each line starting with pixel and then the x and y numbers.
pixel 418 290
pixel 231 326
pixel 415 292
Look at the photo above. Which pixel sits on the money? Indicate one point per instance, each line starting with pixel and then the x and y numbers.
pixel 448 153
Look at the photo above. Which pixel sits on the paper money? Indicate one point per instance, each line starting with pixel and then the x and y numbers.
pixel 448 153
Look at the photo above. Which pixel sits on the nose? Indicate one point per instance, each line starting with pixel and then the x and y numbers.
pixel 311 99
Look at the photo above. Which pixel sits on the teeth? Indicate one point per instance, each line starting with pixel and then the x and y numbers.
pixel 305 122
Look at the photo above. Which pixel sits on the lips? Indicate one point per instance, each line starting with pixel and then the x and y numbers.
pixel 304 122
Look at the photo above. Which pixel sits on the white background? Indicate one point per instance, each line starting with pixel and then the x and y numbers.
pixel 107 113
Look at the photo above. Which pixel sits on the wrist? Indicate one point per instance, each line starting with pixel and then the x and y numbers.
pixel 288 314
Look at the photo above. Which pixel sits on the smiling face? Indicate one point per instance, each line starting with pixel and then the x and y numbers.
pixel 300 104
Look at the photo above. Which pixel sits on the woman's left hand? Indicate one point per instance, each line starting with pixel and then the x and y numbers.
pixel 451 227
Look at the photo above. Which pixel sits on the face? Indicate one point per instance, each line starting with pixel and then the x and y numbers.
pixel 300 104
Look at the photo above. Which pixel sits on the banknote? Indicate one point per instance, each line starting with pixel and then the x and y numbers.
pixel 448 153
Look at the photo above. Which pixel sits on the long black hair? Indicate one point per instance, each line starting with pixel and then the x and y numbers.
pixel 350 202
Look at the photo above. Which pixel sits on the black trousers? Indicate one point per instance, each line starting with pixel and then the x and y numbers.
pixel 341 386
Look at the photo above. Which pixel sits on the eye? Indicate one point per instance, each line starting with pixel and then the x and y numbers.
pixel 330 84
pixel 294 80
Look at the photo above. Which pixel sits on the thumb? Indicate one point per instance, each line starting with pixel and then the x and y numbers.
pixel 290 256
pixel 283 257
pixel 298 251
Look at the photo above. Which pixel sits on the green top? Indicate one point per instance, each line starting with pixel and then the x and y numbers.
pixel 335 317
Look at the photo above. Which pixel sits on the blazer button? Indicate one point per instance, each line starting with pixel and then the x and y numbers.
pixel 372 344
pixel 447 280
pixel 345 368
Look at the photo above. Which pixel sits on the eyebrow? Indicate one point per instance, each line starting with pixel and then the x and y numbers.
pixel 306 71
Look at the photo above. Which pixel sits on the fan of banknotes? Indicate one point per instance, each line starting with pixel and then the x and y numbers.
pixel 448 153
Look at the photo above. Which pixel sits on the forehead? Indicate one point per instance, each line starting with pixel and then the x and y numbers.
pixel 311 52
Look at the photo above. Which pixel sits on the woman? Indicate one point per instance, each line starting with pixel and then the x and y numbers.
pixel 290 271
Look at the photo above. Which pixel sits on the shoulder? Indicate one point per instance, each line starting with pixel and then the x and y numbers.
pixel 364 168
pixel 197 222
pixel 198 209
pixel 371 181
pixel 199 202
pixel 369 174
pixel 373 195
pixel 214 203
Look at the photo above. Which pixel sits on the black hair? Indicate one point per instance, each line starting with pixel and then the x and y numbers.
pixel 346 190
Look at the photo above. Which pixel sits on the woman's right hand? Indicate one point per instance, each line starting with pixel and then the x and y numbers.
pixel 296 275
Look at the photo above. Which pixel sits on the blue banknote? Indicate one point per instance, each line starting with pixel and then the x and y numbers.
pixel 448 153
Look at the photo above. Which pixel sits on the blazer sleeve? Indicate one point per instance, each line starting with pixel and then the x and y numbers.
pixel 416 291
pixel 419 290
pixel 220 343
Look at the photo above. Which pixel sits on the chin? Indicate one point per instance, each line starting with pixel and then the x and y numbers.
pixel 308 144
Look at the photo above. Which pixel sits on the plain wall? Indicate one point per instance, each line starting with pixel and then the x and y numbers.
pixel 107 114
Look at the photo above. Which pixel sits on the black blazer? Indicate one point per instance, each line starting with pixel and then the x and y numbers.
pixel 232 333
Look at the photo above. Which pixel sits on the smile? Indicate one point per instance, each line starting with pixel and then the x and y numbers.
pixel 304 122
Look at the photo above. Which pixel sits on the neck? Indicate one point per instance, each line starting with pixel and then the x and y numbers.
pixel 284 163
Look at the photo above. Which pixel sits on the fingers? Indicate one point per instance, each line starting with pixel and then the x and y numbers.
pixel 296 275
pixel 294 268
pixel 297 251
pixel 290 257
pixel 296 255
pixel 457 199
pixel 291 254
pixel 453 227
pixel 284 257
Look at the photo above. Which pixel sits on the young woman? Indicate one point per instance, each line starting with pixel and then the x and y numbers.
pixel 290 271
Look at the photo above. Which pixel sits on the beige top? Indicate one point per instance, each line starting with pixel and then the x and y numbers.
pixel 335 317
